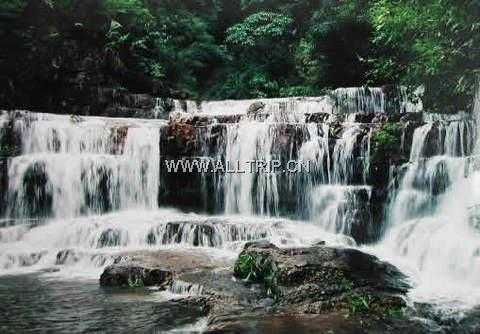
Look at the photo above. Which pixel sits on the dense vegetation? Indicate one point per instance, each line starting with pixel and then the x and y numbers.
pixel 218 49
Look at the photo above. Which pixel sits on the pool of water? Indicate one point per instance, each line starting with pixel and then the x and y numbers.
pixel 37 303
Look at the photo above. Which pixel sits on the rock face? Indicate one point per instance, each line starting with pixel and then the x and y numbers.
pixel 3 184
pixel 341 290
pixel 319 278
pixel 255 108
pixel 159 268
pixel 69 68
pixel 125 273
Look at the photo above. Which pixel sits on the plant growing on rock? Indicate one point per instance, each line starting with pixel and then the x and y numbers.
pixel 260 269
pixel 386 141
pixel 359 303
pixel 135 282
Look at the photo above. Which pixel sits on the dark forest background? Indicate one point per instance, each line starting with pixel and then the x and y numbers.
pixel 53 52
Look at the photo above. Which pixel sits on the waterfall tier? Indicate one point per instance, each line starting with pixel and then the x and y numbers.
pixel 75 191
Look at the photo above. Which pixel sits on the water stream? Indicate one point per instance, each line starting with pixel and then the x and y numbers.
pixel 83 190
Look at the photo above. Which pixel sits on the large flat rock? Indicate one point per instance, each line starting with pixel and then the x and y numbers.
pixel 156 268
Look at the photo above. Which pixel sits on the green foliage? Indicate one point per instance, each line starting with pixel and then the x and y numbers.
pixel 396 312
pixel 260 49
pixel 135 282
pixel 310 68
pixel 297 91
pixel 434 43
pixel 258 268
pixel 340 43
pixel 12 6
pixel 261 29
pixel 132 11
pixel 204 49
pixel 386 142
pixel 6 150
pixel 359 303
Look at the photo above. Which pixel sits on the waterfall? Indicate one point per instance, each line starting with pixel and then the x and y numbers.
pixel 431 235
pixel 70 167
pixel 332 191
pixel 364 99
pixel 95 182
pixel 246 190
pixel 92 242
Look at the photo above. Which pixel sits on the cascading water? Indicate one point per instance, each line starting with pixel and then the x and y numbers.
pixel 331 190
pixel 333 200
pixel 83 191
pixel 247 142
pixel 70 167
pixel 431 235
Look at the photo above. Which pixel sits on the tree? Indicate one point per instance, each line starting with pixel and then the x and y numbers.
pixel 433 43
pixel 261 46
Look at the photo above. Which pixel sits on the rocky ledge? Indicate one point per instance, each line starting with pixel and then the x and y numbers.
pixel 157 268
pixel 334 289
pixel 276 289
pixel 126 273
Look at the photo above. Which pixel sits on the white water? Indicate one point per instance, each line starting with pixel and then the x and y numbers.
pixel 325 171
pixel 95 240
pixel 341 100
pixel 83 166
pixel 246 142
pixel 71 169
pixel 430 236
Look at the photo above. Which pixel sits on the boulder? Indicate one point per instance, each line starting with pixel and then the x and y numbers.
pixel 177 261
pixel 256 107
pixel 126 273
pixel 317 289
pixel 158 268
pixel 320 278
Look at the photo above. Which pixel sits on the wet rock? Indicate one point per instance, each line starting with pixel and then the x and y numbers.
pixel 165 269
pixel 319 278
pixel 311 323
pixel 415 117
pixel 126 273
pixel 109 238
pixel 50 270
pixel 119 137
pixel 67 256
pixel 469 323
pixel 433 144
pixel 182 139
pixel 362 117
pixel 23 260
pixel 317 289
pixel 316 117
pixel 209 233
pixel 256 107
pixel 474 217
pixel 177 261
pixel 380 118
pixel 38 200
pixel 3 184
pixel 203 119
